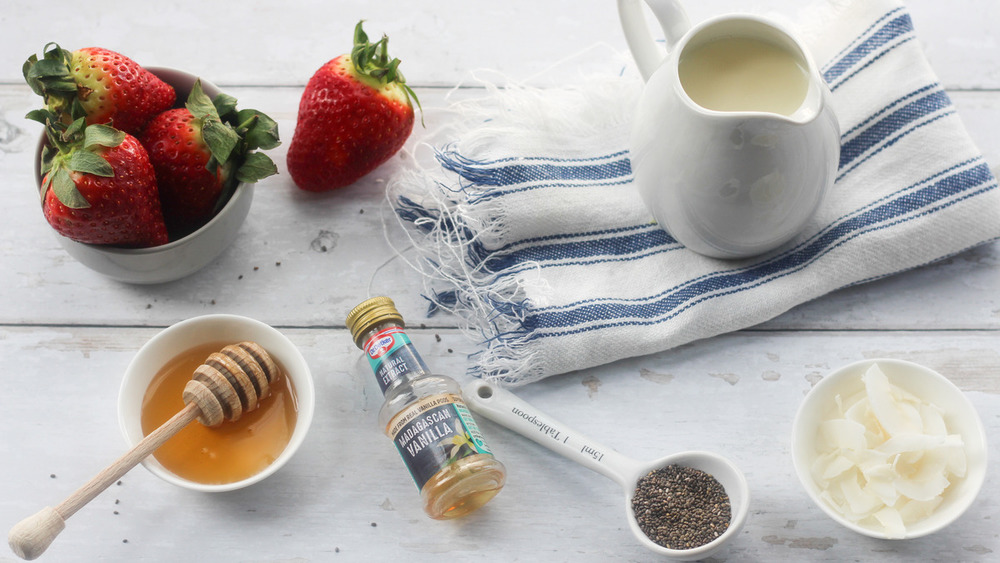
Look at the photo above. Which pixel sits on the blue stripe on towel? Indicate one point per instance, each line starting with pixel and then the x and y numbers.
pixel 865 122
pixel 672 303
pixel 496 193
pixel 498 178
pixel 486 162
pixel 524 171
pixel 834 87
pixel 616 247
pixel 889 142
pixel 860 36
pixel 882 129
pixel 597 259
pixel 895 28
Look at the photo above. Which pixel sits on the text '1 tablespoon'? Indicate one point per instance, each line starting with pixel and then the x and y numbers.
pixel 504 408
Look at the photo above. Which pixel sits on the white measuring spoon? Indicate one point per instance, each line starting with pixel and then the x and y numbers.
pixel 504 408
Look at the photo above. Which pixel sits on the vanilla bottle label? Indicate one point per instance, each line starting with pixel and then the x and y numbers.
pixel 391 355
pixel 434 432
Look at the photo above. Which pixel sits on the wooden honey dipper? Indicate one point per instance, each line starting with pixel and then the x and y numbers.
pixel 228 384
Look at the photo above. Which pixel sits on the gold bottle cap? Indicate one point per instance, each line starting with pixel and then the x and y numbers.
pixel 370 313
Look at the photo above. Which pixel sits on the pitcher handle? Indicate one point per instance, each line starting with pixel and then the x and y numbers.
pixel 673 19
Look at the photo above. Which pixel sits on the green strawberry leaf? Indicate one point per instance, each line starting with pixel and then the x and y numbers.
pixel 220 138
pixel 72 132
pixel 102 135
pixel 256 167
pixel 35 85
pixel 48 75
pixel 58 53
pixel 90 163
pixel 381 52
pixel 46 182
pixel 43 116
pixel 45 164
pixel 199 104
pixel 361 53
pixel 50 68
pixel 224 104
pixel 409 91
pixel 66 192
pixel 261 130
pixel 54 128
pixel 76 110
pixel 212 166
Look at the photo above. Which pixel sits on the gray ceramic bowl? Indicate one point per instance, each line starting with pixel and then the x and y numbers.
pixel 176 259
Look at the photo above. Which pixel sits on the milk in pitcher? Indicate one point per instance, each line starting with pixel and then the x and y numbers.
pixel 743 74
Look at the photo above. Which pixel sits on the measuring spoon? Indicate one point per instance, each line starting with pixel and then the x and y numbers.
pixel 506 409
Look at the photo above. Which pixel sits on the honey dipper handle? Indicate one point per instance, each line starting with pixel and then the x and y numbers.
pixel 30 537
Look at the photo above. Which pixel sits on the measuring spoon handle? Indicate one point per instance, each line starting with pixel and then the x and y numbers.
pixel 505 408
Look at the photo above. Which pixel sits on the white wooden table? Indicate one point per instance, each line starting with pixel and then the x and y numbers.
pixel 66 333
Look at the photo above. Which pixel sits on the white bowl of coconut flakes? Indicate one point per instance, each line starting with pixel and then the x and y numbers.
pixel 889 448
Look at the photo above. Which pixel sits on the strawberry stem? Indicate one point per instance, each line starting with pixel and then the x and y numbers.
pixel 50 77
pixel 72 147
pixel 372 60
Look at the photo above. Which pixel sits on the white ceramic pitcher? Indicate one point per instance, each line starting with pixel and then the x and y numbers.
pixel 728 183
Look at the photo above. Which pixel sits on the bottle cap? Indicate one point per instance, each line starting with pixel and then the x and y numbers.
pixel 370 313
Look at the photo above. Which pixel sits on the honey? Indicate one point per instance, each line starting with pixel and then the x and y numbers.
pixel 232 451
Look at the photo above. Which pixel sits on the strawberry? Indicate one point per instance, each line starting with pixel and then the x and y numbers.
pixel 110 87
pixel 354 114
pixel 201 151
pixel 98 185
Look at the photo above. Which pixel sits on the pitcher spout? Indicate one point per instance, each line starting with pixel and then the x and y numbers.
pixel 813 106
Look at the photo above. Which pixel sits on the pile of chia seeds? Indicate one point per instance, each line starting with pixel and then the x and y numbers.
pixel 680 507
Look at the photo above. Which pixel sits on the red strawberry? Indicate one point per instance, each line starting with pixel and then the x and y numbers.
pixel 199 156
pixel 355 113
pixel 110 87
pixel 188 190
pixel 99 187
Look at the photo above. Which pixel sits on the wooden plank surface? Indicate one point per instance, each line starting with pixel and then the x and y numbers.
pixel 347 490
pixel 302 260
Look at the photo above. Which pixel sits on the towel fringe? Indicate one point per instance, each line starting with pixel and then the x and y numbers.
pixel 457 224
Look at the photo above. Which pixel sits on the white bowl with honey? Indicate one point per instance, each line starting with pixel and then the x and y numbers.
pixel 237 452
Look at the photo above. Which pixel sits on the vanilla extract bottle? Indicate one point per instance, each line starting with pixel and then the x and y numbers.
pixel 425 416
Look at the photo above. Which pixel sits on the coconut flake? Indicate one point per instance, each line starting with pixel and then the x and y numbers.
pixel 895 416
pixel 914 510
pixel 830 466
pixel 841 434
pixel 921 443
pixel 860 502
pixel 892 522
pixel 933 421
pixel 881 482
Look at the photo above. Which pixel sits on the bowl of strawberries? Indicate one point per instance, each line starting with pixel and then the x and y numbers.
pixel 145 174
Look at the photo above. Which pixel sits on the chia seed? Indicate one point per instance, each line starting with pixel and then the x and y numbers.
pixel 681 507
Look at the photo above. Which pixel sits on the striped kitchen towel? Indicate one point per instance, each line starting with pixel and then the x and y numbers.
pixel 530 230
